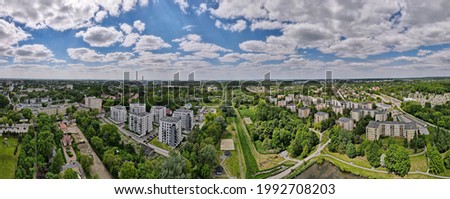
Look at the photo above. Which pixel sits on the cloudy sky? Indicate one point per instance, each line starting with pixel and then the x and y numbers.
pixel 224 39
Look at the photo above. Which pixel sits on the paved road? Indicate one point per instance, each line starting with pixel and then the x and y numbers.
pixel 299 162
pixel 133 136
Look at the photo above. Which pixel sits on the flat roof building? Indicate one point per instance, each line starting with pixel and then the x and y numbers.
pixel 118 114
pixel 187 118
pixel 158 113
pixel 170 131
pixel 140 123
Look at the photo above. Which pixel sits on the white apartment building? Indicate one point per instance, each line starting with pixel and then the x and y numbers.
pixel 93 102
pixel 358 114
pixel 140 123
pixel 170 131
pixel 118 114
pixel 15 128
pixel 303 112
pixel 137 108
pixel 187 118
pixel 158 113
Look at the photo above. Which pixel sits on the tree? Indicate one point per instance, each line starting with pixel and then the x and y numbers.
pixel 86 162
pixel 26 112
pixel 436 163
pixel 110 134
pixel 69 174
pixel 150 169
pixel 128 171
pixel 57 162
pixel 98 144
pixel 45 143
pixel 4 102
pixel 350 150
pixel 175 167
pixel 373 153
pixel 397 160
pixel 447 160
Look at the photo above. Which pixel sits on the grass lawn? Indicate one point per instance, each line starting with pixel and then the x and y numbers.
pixel 250 161
pixel 360 161
pixel 371 174
pixel 159 144
pixel 418 163
pixel 232 164
pixel 8 161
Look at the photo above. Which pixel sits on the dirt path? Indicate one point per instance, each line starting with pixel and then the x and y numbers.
pixel 85 148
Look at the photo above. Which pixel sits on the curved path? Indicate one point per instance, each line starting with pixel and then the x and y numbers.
pixel 378 171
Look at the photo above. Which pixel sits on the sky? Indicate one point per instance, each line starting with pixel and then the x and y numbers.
pixel 224 39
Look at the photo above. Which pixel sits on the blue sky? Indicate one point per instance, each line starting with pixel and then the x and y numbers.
pixel 223 39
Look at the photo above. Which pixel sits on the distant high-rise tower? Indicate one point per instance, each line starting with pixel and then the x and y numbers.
pixel 191 76
pixel 176 77
pixel 267 76
pixel 329 82
pixel 137 76
pixel 126 76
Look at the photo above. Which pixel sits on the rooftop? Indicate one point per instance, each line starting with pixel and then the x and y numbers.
pixel 119 107
pixel 321 113
pixel 183 110
pixel 158 107
pixel 170 119
pixel 140 114
pixel 345 119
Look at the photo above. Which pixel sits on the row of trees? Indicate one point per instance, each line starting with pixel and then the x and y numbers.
pixel 438 115
pixel 41 152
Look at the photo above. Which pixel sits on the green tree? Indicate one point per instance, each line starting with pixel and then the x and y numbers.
pixel 3 101
pixel 128 171
pixel 175 167
pixel 26 112
pixel 57 162
pixel 373 153
pixel 150 169
pixel 69 174
pixel 436 163
pixel 86 162
pixel 447 160
pixel 397 160
pixel 110 134
pixel 350 150
pixel 98 144
pixel 45 143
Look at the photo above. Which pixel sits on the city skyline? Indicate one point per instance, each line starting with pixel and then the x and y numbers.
pixel 224 39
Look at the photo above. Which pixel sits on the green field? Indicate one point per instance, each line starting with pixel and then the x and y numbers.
pixel 250 161
pixel 418 163
pixel 159 144
pixel 232 164
pixel 8 161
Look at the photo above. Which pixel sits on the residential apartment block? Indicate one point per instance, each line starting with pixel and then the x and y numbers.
pixel 170 131
pixel 137 108
pixel 393 129
pixel 320 116
pixel 140 123
pixel 118 114
pixel 158 113
pixel 303 112
pixel 187 118
pixel 93 102
pixel 346 123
